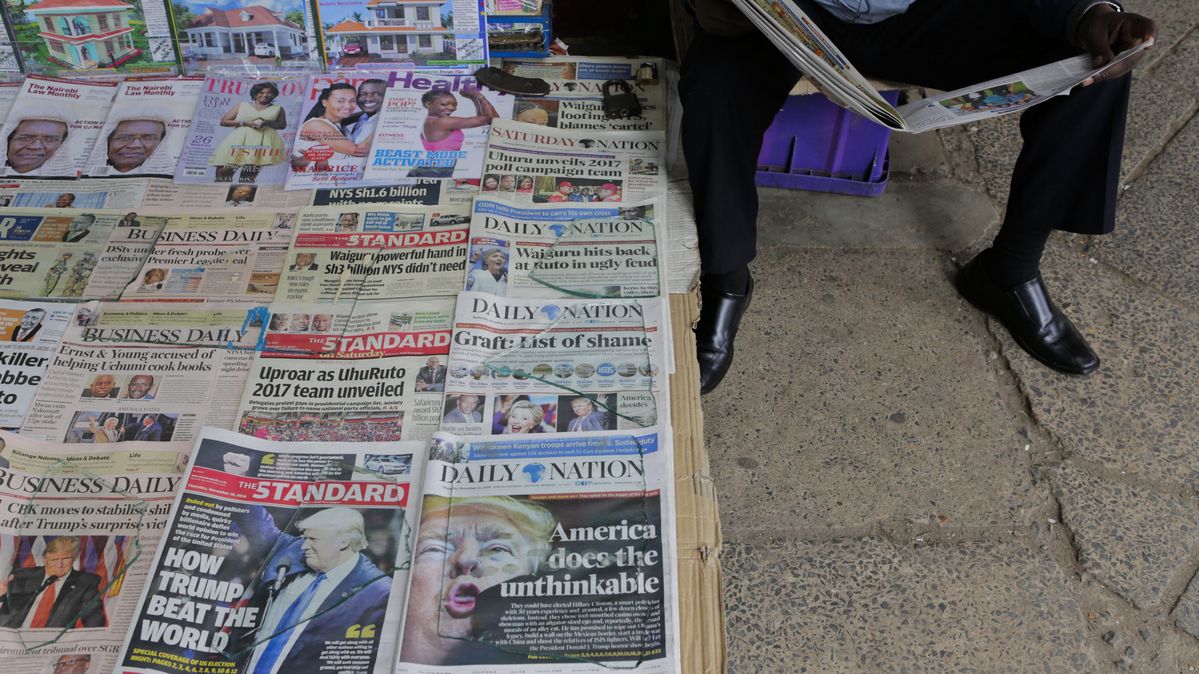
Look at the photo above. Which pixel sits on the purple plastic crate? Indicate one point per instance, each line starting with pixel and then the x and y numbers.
pixel 819 146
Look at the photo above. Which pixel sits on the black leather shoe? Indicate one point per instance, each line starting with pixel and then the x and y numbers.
pixel 719 317
pixel 1037 325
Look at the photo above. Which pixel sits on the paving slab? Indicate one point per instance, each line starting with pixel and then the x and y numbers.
pixel 1156 238
pixel 1161 104
pixel 940 214
pixel 1132 539
pixel 1179 654
pixel 862 392
pixel 1174 18
pixel 1186 612
pixel 1136 414
pixel 865 605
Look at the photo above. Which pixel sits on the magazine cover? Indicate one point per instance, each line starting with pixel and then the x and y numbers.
pixel 367 33
pixel 434 126
pixel 52 126
pixel 334 137
pixel 145 129
pixel 230 35
pixel 92 37
pixel 241 130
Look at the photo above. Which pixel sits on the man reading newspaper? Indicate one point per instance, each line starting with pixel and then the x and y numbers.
pixel 734 81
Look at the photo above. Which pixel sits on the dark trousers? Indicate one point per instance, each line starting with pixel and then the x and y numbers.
pixel 731 88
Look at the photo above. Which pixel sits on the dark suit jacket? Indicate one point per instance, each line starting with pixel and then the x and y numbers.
pixel 78 603
pixel 12 336
pixel 151 433
pixel 428 376
pixel 360 599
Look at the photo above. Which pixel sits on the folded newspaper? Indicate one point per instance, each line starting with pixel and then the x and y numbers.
pixel 806 46
pixel 576 99
pixel 280 558
pixel 29 336
pixel 566 250
pixel 69 253
pixel 544 554
pixel 374 373
pixel 75 547
pixel 351 252
pixel 525 366
pixel 145 372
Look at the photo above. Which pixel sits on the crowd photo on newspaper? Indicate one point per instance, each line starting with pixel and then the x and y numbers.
pixel 280 284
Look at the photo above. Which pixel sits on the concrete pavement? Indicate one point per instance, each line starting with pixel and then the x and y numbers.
pixel 902 489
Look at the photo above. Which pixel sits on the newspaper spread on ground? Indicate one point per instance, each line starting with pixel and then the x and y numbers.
pixel 345 253
pixel 806 46
pixel 576 99
pixel 52 126
pixel 416 192
pixel 566 250
pixel 363 34
pixel 572 553
pixel 29 336
pixel 340 113
pixel 281 557
pixel 146 127
pixel 242 130
pixel 548 165
pixel 376 374
pixel 550 366
pixel 85 193
pixel 76 545
pixel 112 38
pixel 165 194
pixel 434 125
pixel 71 253
pixel 145 372
pixel 224 255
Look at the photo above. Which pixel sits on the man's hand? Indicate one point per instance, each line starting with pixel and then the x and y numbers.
pixel 1104 32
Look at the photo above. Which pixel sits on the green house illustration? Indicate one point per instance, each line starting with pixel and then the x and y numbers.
pixel 85 34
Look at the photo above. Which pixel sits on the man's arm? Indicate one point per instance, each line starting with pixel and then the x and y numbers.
pixel 1100 27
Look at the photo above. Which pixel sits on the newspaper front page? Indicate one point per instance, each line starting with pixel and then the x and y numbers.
pixel 346 253
pixel 434 125
pixel 29 336
pixel 579 574
pixel 89 523
pixel 568 250
pixel 547 165
pixel 241 131
pixel 145 372
pixel 222 256
pixel 374 374
pixel 52 126
pixel 576 99
pixel 281 557
pixel 549 366
pixel 341 112
pixel 145 129
pixel 68 253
